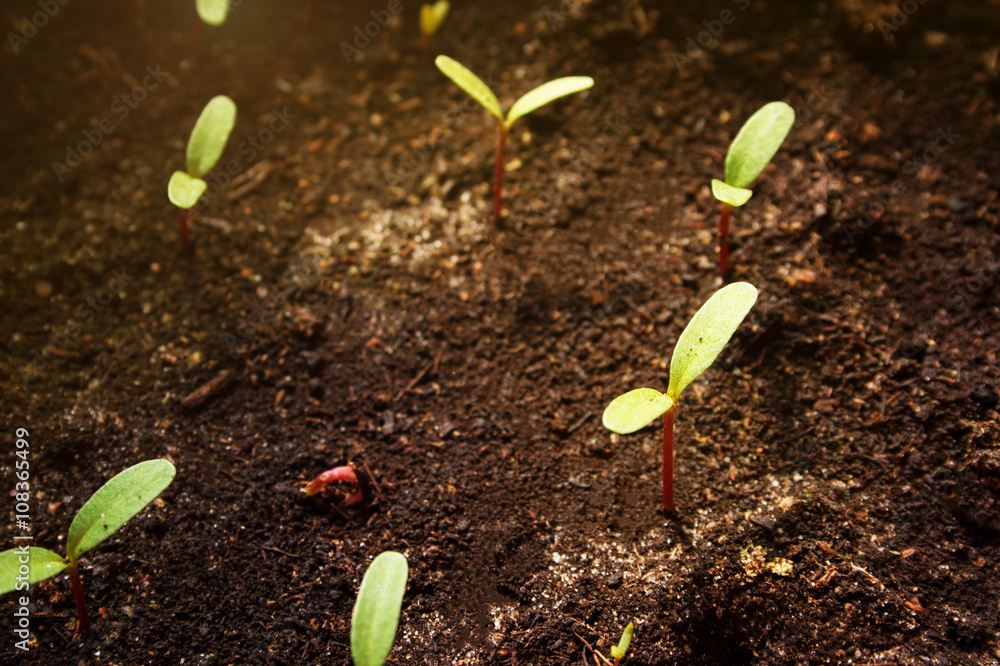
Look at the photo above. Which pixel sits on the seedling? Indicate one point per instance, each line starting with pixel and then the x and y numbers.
pixel 619 650
pixel 699 344
pixel 208 138
pixel 213 12
pixel 344 473
pixel 113 505
pixel 431 17
pixel 539 97
pixel 754 146
pixel 376 612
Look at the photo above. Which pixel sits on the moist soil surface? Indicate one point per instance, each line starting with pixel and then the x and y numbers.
pixel 348 298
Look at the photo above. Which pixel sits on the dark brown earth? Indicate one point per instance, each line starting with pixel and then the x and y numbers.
pixel 838 469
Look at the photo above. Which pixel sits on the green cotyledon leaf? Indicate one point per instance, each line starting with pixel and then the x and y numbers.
pixel 545 93
pixel 618 651
pixel 210 134
pixel 212 12
pixel 470 83
pixel 42 563
pixel 757 142
pixel 114 504
pixel 376 612
pixel 734 196
pixel 707 334
pixel 431 16
pixel 635 410
pixel 184 191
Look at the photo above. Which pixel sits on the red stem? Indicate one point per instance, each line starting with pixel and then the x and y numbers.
pixel 668 461
pixel 498 175
pixel 724 239
pixel 184 220
pixel 81 600
pixel 344 473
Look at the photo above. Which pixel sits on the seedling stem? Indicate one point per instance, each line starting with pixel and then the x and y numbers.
pixel 668 460
pixel 431 17
pixel 79 597
pixel 184 219
pixel 498 175
pixel 724 238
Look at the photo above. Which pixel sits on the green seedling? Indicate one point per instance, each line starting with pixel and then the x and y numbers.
pixel 431 18
pixel 213 12
pixel 619 650
pixel 479 91
pixel 204 148
pixel 754 146
pixel 700 343
pixel 376 612
pixel 113 505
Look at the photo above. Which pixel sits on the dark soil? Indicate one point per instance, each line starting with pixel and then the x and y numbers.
pixel 838 469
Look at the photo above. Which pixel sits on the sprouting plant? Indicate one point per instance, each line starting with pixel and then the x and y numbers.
pixel 699 344
pixel 113 505
pixel 376 612
pixel 213 12
pixel 431 18
pixel 208 138
pixel 619 650
pixel 754 146
pixel 346 473
pixel 479 91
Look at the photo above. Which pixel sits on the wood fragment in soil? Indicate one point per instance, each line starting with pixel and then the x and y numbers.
pixel 207 392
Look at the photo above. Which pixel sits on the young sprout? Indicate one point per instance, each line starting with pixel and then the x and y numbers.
pixel 213 12
pixel 754 146
pixel 619 650
pixel 113 505
pixel 376 612
pixel 700 343
pixel 480 92
pixel 431 17
pixel 345 473
pixel 208 138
